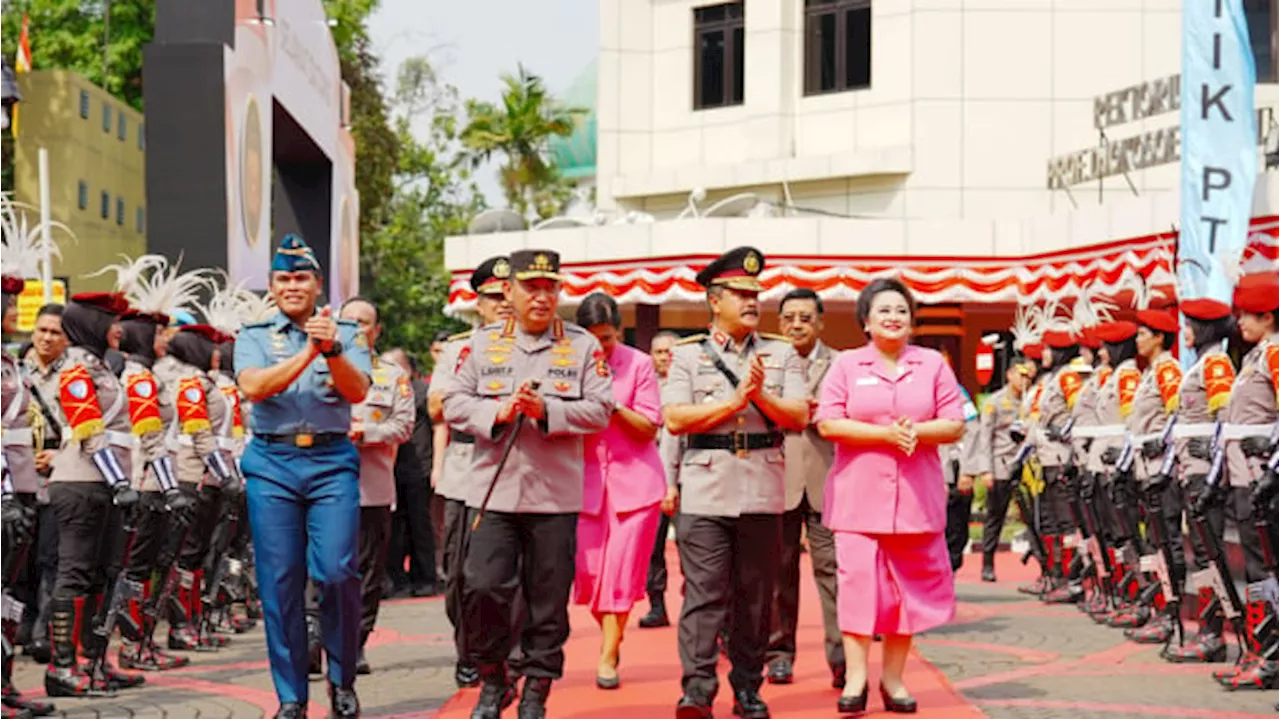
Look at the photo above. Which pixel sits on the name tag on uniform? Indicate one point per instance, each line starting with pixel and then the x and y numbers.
pixel 863 381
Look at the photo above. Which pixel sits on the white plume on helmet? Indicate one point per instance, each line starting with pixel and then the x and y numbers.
pixel 23 242
pixel 153 286
pixel 230 307
pixel 1027 326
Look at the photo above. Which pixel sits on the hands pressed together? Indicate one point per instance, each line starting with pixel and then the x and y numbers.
pixel 751 385
pixel 525 401
pixel 322 329
pixel 902 434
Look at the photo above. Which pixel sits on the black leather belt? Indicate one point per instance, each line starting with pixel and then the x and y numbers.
pixel 735 441
pixel 302 439
pixel 456 437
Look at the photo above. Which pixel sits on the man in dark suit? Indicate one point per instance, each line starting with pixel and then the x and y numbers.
pixel 412 535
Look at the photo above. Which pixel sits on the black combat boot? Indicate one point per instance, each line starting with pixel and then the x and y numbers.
pixel 314 641
pixel 988 567
pixel 64 677
pixel 657 616
pixel 92 648
pixel 14 700
pixel 496 692
pixel 533 702
pixel 1207 645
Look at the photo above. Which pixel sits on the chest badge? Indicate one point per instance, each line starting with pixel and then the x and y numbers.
pixel 495 385
pixel 563 386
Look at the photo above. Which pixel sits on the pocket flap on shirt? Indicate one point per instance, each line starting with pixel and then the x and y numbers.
pixel 495 386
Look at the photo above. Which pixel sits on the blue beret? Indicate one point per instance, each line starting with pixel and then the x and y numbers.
pixel 181 318
pixel 294 255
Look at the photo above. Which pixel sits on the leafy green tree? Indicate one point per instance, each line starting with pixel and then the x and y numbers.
pixel 519 128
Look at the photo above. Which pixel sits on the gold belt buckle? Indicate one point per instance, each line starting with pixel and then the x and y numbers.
pixel 303 440
pixel 740 444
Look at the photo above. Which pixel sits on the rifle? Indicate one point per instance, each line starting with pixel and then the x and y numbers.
pixel 1162 559
pixel 1037 547
pixel 225 568
pixel 174 577
pixel 15 557
pixel 1263 497
pixel 112 611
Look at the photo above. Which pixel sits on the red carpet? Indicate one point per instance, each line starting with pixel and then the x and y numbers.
pixel 651 673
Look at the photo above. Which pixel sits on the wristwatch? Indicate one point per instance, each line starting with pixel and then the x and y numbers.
pixel 334 350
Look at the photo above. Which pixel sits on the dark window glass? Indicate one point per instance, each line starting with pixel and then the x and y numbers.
pixel 106 205
pixel 106 117
pixel 84 104
pixel 837 52
pixel 1261 18
pixel 122 126
pixel 119 210
pixel 720 60
pixel 82 195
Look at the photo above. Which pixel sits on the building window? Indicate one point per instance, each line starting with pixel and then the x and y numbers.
pixel 121 126
pixel 142 142
pixel 139 218
pixel 106 117
pixel 106 204
pixel 82 195
pixel 1261 18
pixel 837 45
pixel 119 210
pixel 84 104
pixel 719 60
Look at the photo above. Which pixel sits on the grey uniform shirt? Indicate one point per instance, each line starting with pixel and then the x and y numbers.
pixel 1253 405
pixel 453 483
pixel 544 472
pixel 995 446
pixel 19 452
pixel 387 414
pixel 74 462
pixel 808 455
pixel 191 439
pixel 1153 405
pixel 142 387
pixel 717 482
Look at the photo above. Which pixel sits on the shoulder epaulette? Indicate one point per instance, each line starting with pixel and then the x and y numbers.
pixel 775 338
pixel 460 336
pixel 348 323
pixel 691 339
pixel 254 325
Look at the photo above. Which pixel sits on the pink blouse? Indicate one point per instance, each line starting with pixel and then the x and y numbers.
pixel 880 490
pixel 628 468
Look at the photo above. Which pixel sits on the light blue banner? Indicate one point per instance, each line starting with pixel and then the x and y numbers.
pixel 1219 145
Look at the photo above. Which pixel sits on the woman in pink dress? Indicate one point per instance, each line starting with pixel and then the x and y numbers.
pixel 624 487
pixel 887 406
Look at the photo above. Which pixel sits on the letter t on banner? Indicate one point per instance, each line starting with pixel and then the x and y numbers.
pixel 1219 151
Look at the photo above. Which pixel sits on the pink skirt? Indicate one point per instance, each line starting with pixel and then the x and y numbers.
pixel 613 557
pixel 893 583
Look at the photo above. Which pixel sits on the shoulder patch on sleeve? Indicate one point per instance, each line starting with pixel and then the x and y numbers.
pixel 1070 384
pixel 1168 380
pixel 1218 375
pixel 193 412
pixel 79 399
pixel 460 336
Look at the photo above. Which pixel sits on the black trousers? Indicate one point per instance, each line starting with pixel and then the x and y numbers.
pixel 511 554
pixel 206 517
pixel 47 563
pixel 786 595
pixel 412 536
pixel 1169 506
pixel 88 528
pixel 731 567
pixel 656 581
pixel 1055 514
pixel 998 498
pixel 1238 508
pixel 455 528
pixel 152 521
pixel 375 530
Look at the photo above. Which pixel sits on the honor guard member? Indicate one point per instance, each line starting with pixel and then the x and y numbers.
pixel 524 511
pixel 1061 392
pixel 1031 417
pixel 453 450
pixel 206 472
pixel 1250 418
pixel 21 482
pixel 90 474
pixel 1205 390
pixel 809 458
pixel 995 452
pixel 303 370
pixel 379 425
pixel 731 393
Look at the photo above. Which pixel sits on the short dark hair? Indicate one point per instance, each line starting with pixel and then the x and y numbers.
pixel 877 286
pixel 802 293
pixel 440 336
pixel 53 308
pixel 377 316
pixel 1211 332
pixel 598 309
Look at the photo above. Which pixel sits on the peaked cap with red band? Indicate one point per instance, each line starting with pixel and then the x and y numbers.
pixel 1258 293
pixel 1033 351
pixel 737 269
pixel 1158 320
pixel 1205 309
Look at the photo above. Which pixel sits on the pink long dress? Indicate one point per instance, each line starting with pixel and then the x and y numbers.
pixel 887 509
pixel 623 487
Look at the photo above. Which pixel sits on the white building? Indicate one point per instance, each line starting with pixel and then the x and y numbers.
pixel 951 141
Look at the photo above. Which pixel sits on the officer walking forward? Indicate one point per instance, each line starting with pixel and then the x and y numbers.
pixel 303 370
pixel 524 540
pixel 995 454
pixel 731 392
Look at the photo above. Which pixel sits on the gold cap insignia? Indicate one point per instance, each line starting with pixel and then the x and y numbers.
pixel 501 269
pixel 751 263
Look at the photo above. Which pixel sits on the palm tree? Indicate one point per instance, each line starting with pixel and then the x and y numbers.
pixel 520 128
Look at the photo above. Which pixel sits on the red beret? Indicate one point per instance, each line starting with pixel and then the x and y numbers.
pixel 1116 332
pixel 13 285
pixel 1158 320
pixel 1059 339
pixel 1204 309
pixel 1258 293
pixel 1089 338
pixel 207 331
pixel 156 317
pixel 110 302
pixel 1035 351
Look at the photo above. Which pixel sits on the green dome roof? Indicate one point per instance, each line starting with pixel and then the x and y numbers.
pixel 575 155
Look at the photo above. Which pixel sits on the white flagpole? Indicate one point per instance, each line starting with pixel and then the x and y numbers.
pixel 46 259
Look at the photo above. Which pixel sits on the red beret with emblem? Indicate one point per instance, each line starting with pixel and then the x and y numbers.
pixel 1205 309
pixel 1258 293
pixel 207 331
pixel 1058 339
pixel 1158 320
pixel 112 303
pixel 1116 332
pixel 13 285
pixel 1034 351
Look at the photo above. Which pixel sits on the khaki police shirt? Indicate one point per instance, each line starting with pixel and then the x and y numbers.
pixel 1061 392
pixel 1253 405
pixel 454 480
pixel 19 450
pixel 808 455
pixel 199 408
pixel 147 421
pixel 387 414
pixel 74 462
pixel 544 472
pixel 995 446
pixel 1205 390
pixel 717 482
pixel 1153 404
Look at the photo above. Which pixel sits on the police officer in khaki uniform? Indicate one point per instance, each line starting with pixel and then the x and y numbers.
pixel 1062 388
pixel 731 393
pixel 994 455
pixel 525 516
pixel 809 459
pixel 379 425
pixel 453 450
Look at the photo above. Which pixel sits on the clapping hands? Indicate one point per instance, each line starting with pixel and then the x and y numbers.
pixel 321 329
pixel 902 434
pixel 753 383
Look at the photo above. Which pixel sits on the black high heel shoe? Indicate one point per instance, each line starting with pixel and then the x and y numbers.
pixel 897 706
pixel 855 704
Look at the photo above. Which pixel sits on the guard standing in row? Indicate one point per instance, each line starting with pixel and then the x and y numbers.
pixel 1061 391
pixel 526 478
pixel 303 370
pixel 453 450
pixel 731 393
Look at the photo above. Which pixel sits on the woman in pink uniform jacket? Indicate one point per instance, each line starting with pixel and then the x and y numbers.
pixel 623 488
pixel 887 406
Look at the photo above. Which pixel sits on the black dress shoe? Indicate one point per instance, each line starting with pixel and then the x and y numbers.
pixel 343 703
pixel 780 672
pixel 493 699
pixel 906 705
pixel 292 710
pixel 748 705
pixel 693 708
pixel 362 664
pixel 853 704
pixel 657 617
pixel 988 574
pixel 466 676
pixel 837 676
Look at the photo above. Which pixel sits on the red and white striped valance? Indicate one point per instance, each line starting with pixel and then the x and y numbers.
pixel 1103 268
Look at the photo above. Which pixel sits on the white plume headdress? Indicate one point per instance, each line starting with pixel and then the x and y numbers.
pixel 1091 310
pixel 1026 329
pixel 153 286
pixel 1144 289
pixel 23 242
pixel 231 307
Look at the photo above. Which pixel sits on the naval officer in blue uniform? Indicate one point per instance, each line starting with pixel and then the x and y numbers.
pixel 303 369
